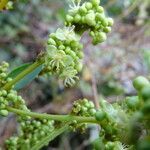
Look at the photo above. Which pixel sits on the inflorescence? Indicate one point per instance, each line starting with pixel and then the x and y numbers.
pixel 64 54
pixel 89 16
pixel 123 124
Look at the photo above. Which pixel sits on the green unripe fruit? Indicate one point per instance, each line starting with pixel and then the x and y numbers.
pixel 110 22
pixel 69 18
pixel 133 102
pixel 146 93
pixel 77 18
pixel 90 19
pixel 3 112
pixel 140 82
pixel 95 2
pixel 88 5
pixel 100 115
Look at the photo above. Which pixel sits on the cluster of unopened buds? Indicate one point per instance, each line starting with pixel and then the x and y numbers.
pixel 82 107
pixel 31 131
pixel 89 16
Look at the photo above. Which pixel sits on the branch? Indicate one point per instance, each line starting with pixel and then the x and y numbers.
pixel 62 118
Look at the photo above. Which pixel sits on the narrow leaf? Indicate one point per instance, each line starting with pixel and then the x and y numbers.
pixel 18 70
pixel 28 78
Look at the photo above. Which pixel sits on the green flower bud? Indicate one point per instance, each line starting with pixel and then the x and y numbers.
pixel 92 111
pixel 83 9
pixel 104 22
pixel 73 12
pixel 140 82
pixel 51 42
pixel 3 75
pixel 69 18
pixel 61 47
pixel 80 54
pixel 133 102
pixel 79 66
pixel 100 9
pixel 100 115
pixel 110 22
pixel 77 18
pixel 102 37
pixel 107 29
pixel 88 5
pixel 95 2
pixel 90 19
pixel 146 93
pixel 4 112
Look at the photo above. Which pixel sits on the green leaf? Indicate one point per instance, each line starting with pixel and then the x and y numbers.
pixel 28 78
pixel 18 70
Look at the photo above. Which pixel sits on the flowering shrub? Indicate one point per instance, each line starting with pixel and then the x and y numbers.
pixel 123 124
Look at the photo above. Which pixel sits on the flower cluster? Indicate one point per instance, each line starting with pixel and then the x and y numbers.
pixel 30 133
pixel 90 16
pixel 125 121
pixel 64 55
pixel 3 73
pixel 8 98
pixel 31 130
pixel 85 108
pixel 142 85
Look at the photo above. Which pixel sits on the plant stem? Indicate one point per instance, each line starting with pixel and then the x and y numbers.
pixel 50 137
pixel 22 74
pixel 62 118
